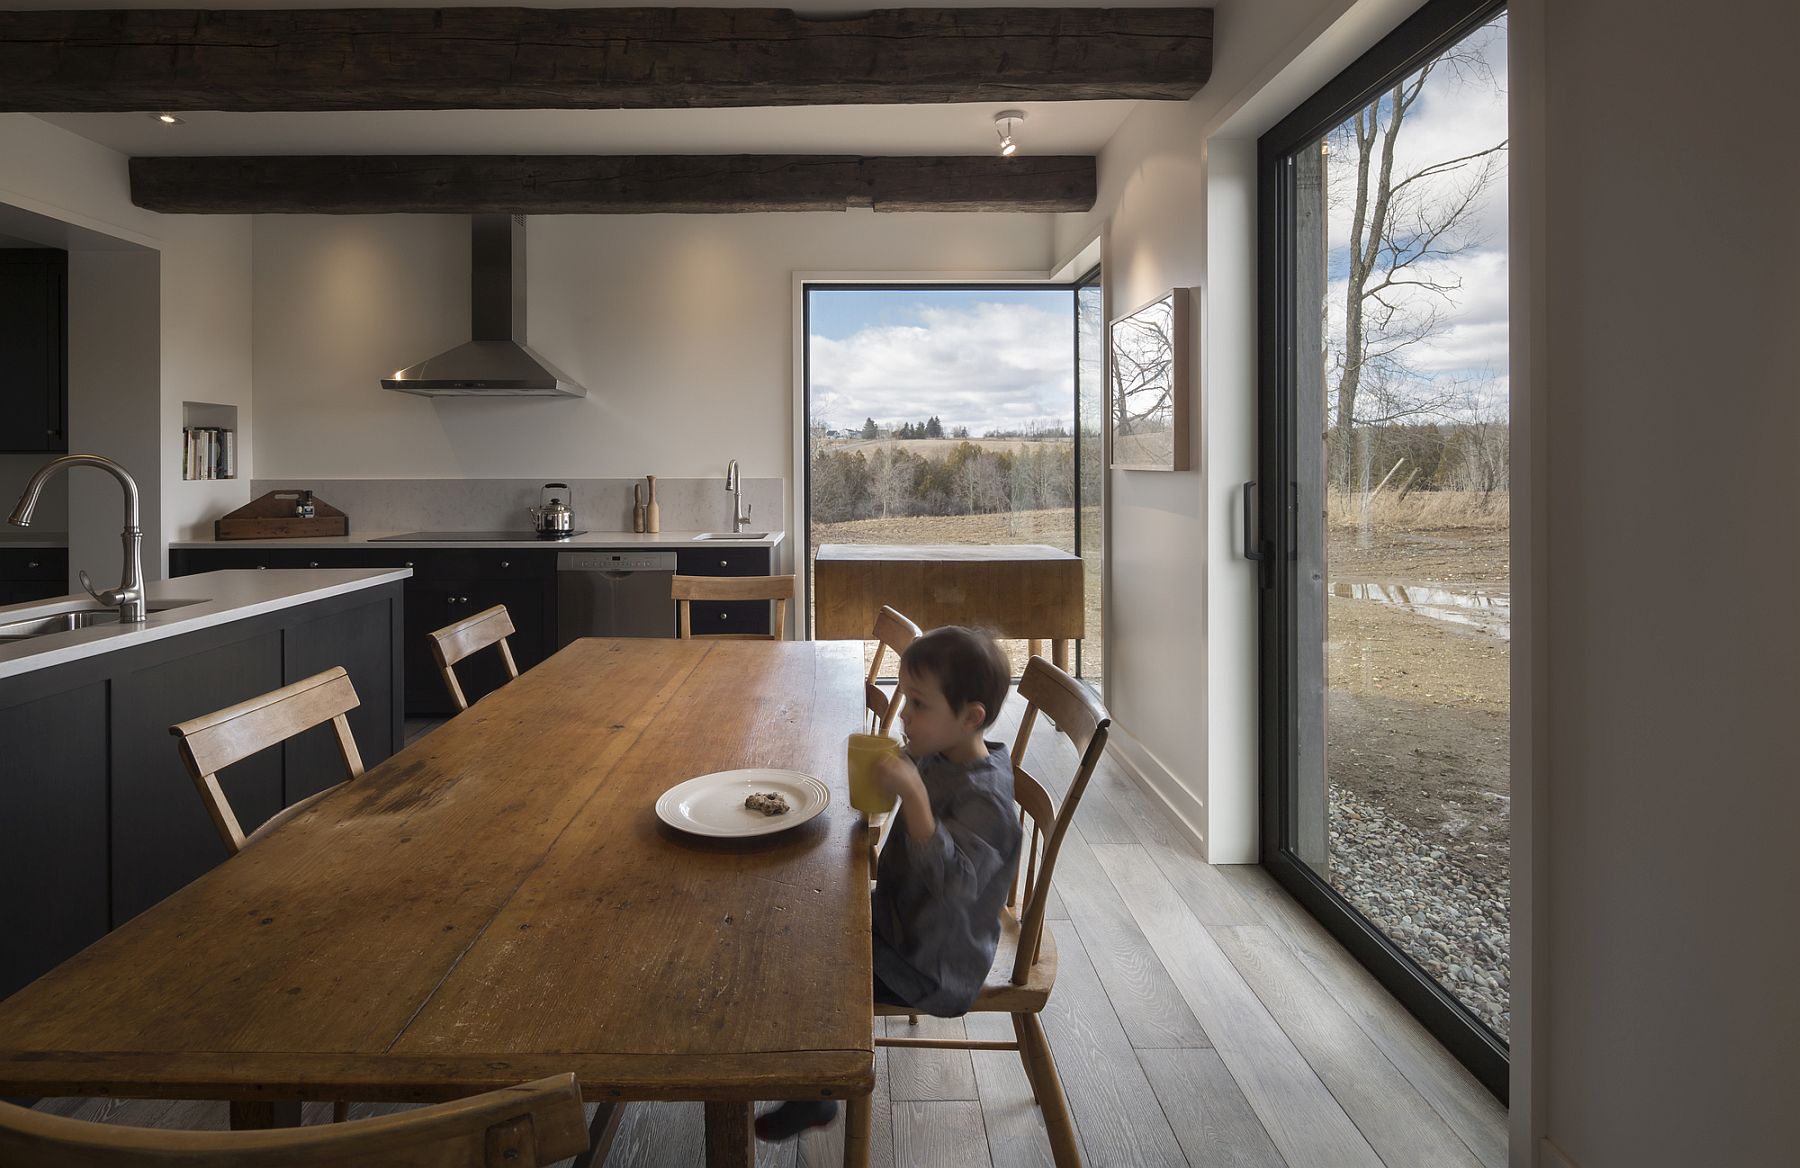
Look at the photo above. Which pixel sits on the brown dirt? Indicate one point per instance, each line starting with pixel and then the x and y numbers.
pixel 1419 708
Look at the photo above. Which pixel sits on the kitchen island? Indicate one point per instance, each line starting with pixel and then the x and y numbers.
pixel 457 578
pixel 98 818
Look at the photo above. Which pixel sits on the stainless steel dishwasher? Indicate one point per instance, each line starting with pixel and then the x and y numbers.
pixel 614 594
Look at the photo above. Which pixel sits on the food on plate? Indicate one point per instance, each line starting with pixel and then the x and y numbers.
pixel 768 802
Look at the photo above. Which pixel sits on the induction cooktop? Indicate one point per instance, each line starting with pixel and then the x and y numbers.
pixel 474 536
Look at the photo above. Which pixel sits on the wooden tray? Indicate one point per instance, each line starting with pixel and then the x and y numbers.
pixel 271 516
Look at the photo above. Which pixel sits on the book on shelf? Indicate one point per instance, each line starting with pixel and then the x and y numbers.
pixel 208 452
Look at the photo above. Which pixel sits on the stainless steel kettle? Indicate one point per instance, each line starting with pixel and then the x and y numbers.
pixel 555 518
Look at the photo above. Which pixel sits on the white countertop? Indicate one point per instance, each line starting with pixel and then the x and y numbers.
pixel 223 597
pixel 589 540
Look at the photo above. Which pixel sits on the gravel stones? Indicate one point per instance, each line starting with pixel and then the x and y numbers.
pixel 1455 923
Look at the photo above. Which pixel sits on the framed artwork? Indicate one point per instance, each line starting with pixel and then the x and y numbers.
pixel 1149 352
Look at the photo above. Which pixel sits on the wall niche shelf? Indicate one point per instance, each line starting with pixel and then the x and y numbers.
pixel 209 450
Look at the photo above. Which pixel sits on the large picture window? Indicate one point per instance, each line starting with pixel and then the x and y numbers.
pixel 951 414
pixel 1384 433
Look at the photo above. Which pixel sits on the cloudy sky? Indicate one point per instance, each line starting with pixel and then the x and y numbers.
pixel 988 360
pixel 1461 109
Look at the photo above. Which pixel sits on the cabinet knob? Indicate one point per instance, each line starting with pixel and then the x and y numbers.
pixel 409 563
pixel 721 616
pixel 723 563
pixel 506 563
pixel 32 564
pixel 312 563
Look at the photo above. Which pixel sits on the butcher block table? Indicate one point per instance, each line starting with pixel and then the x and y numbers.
pixel 499 902
pixel 1023 591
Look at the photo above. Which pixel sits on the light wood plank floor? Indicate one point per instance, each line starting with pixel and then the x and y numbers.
pixel 1200 1018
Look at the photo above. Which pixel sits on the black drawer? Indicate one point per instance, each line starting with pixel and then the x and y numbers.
pixel 729 616
pixel 722 561
pixel 34 564
pixel 485 563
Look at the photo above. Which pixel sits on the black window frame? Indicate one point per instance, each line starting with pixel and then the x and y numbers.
pixel 1434 27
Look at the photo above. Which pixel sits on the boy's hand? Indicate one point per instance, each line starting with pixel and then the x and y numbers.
pixel 897 775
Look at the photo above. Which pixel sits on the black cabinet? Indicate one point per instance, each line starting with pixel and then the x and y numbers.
pixel 728 616
pixel 99 820
pixel 34 343
pixel 33 574
pixel 53 843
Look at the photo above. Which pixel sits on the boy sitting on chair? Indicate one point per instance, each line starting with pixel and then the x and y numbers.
pixel 941 884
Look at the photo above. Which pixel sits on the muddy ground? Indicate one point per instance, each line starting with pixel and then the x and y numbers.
pixel 1419 708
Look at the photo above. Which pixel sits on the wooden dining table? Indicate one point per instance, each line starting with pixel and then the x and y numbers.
pixel 499 902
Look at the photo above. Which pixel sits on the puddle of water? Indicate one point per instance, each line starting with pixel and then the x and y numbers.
pixel 1486 610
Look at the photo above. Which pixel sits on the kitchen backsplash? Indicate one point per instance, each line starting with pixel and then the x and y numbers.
pixel 500 504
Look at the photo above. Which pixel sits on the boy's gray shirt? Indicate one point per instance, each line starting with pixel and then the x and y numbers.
pixel 937 901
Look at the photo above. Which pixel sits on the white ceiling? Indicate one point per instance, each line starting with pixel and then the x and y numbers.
pixel 1053 127
pixel 1071 127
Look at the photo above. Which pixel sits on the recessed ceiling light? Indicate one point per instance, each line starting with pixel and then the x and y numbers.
pixel 168 119
pixel 1003 126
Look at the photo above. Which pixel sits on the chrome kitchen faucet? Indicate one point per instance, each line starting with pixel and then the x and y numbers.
pixel 740 513
pixel 129 595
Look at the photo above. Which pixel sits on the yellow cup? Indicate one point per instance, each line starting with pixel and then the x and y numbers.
pixel 866 794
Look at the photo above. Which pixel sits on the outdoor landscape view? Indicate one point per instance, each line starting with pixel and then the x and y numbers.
pixel 1413 300
pixel 950 416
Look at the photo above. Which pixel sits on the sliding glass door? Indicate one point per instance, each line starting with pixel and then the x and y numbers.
pixel 1380 514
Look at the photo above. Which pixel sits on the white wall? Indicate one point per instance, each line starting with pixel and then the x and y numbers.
pixel 1181 663
pixel 680 327
pixel 1663 223
pixel 197 311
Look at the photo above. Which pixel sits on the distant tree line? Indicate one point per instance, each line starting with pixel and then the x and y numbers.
pixel 1429 456
pixel 965 479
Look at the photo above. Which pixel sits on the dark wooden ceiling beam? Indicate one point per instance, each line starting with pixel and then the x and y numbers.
pixel 560 184
pixel 591 58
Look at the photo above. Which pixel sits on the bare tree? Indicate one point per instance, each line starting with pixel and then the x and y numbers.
pixel 1404 227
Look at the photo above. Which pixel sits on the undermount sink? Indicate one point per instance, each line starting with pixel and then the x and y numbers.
pixel 76 618
pixel 733 535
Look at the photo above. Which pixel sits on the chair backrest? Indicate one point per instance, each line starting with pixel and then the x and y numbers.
pixel 526 1126
pixel 450 644
pixel 780 589
pixel 896 632
pixel 212 742
pixel 1084 721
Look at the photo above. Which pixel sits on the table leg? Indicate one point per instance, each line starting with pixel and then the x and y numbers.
pixel 1035 647
pixel 261 1115
pixel 1059 654
pixel 729 1141
pixel 859 1112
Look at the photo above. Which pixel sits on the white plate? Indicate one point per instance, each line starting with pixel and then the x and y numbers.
pixel 714 804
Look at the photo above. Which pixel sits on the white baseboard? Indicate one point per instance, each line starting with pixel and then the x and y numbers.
pixel 1551 1156
pixel 1154 778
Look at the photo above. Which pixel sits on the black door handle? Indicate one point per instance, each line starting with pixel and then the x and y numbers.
pixel 1251 552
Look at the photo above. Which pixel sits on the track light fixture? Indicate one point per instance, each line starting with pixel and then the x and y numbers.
pixel 1003 126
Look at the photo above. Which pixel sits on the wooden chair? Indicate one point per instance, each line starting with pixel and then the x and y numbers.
pixel 1024 969
pixel 212 742
pixel 892 631
pixel 452 643
pixel 526 1126
pixel 780 589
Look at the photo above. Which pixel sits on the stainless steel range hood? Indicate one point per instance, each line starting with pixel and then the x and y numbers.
pixel 496 361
